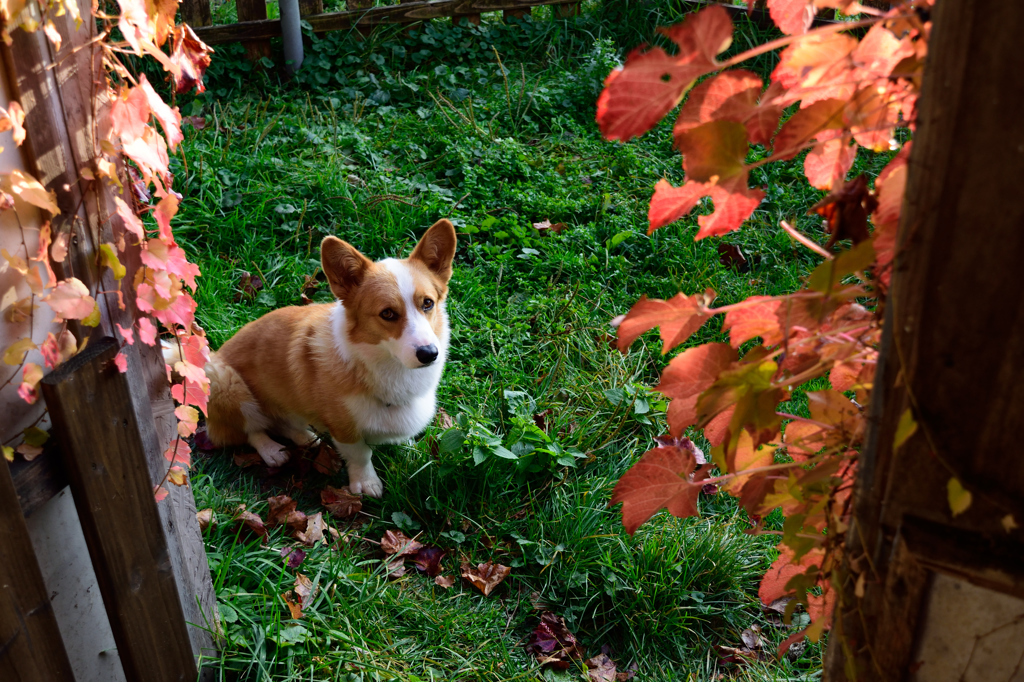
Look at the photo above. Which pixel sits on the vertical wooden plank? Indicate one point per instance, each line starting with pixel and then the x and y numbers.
pixel 103 454
pixel 309 7
pixel 31 648
pixel 355 6
pixel 196 12
pixel 253 10
pixel 952 347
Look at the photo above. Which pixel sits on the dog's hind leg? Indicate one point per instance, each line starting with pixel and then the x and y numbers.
pixel 256 425
pixel 296 431
pixel 361 476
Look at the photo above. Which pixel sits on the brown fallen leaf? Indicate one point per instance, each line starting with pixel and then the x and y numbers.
pixel 445 581
pixel 296 522
pixel 545 227
pixel 444 420
pixel 341 502
pixel 252 522
pixel 428 560
pixel 327 461
pixel 601 668
pixel 295 607
pixel 485 577
pixel 280 507
pixel 303 588
pixel 730 256
pixel 245 460
pixel 314 532
pixel 552 643
pixel 205 519
pixel 397 542
pixel 295 556
pixel 396 566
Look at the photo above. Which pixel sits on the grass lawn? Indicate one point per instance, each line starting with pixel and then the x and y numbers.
pixel 373 142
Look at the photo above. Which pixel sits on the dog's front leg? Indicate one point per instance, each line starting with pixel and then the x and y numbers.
pixel 361 476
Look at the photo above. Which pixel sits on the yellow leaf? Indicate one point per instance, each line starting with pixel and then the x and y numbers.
pixel 905 429
pixel 16 262
pixel 16 352
pixel 8 300
pixel 1009 523
pixel 29 189
pixel 108 256
pixel 177 476
pixel 8 453
pixel 959 498
pixel 35 436
pixel 93 318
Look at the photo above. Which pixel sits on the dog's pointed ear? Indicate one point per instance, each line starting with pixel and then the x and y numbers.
pixel 437 249
pixel 344 266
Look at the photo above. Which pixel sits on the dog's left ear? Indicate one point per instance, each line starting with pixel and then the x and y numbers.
pixel 437 249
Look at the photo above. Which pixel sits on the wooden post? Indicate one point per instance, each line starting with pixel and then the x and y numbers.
pixel 253 10
pixel 951 355
pixel 94 420
pixel 196 12
pixel 310 7
pixel 31 648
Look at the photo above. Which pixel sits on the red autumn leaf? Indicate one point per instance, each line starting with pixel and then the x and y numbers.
pixel 397 542
pixel 70 299
pixel 637 95
pixel 784 569
pixel 191 55
pixel 816 67
pixel 294 607
pixel 714 151
pixel 553 644
pixel 341 502
pixel 296 522
pixel 253 523
pixel 846 209
pixel 428 560
pixel 759 316
pixel 828 162
pixel 129 113
pixel 170 119
pixel 688 375
pixel 678 318
pixel 733 200
pixel 732 96
pixel 793 17
pixel 327 461
pixel 663 478
pixel 280 507
pixel 717 429
pixel 485 577
pixel 745 457
pixel 806 125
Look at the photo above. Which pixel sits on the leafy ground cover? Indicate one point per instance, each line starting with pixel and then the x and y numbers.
pixel 492 127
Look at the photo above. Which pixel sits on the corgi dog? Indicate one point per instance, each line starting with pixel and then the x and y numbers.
pixel 364 369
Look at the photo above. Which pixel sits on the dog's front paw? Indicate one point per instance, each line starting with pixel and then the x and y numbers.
pixel 365 483
pixel 274 455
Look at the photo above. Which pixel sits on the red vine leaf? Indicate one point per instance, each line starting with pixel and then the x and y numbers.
pixel 846 210
pixel 688 375
pixel 191 55
pixel 664 478
pixel 428 560
pixel 553 644
pixel 793 17
pixel 678 318
pixel 808 124
pixel 639 94
pixel 828 162
pixel 732 96
pixel 734 202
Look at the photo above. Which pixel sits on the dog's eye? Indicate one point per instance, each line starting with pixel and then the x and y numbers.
pixel 389 314
pixel 428 303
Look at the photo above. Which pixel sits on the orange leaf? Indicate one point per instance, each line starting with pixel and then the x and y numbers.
pixel 637 95
pixel 664 478
pixel 829 161
pixel 714 151
pixel 793 17
pixel 732 96
pixel 485 577
pixel 192 56
pixel 688 375
pixel 785 568
pixel 807 124
pixel 678 318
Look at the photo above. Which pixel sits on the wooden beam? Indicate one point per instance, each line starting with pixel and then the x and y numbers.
pixel 951 352
pixel 390 15
pixel 96 428
pixel 31 648
pixel 36 482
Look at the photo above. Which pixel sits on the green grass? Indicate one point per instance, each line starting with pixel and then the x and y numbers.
pixel 375 141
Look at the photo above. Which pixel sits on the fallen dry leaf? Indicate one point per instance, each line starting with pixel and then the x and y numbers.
pixel 303 588
pixel 203 442
pixel 252 522
pixel 545 227
pixel 485 577
pixel 397 542
pixel 327 461
pixel 396 566
pixel 730 256
pixel 445 581
pixel 552 643
pixel 295 556
pixel 296 522
pixel 341 502
pixel 205 519
pixel 293 606
pixel 428 560
pixel 444 420
pixel 280 507
pixel 314 532
pixel 601 668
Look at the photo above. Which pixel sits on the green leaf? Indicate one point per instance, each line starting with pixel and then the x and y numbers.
pixel 615 395
pixel 35 436
pixel 405 522
pixel 827 275
pixel 619 238
pixel 905 429
pixel 8 453
pixel 503 452
pixel 959 497
pixel 108 257
pixel 452 440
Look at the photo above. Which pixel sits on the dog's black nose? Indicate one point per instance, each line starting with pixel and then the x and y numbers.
pixel 426 354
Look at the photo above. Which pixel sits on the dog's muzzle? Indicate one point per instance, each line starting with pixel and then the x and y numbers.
pixel 426 354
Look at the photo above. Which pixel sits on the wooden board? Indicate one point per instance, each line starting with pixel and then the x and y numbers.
pixel 37 481
pixel 104 457
pixel 31 648
pixel 254 10
pixel 952 351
